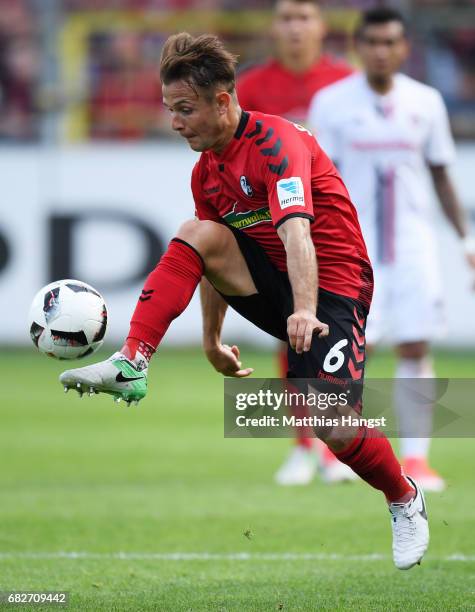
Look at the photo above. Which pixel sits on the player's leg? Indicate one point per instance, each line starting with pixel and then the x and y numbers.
pixel 308 454
pixel 415 374
pixel 200 247
pixel 417 316
pixel 300 465
pixel 333 470
pixel 341 355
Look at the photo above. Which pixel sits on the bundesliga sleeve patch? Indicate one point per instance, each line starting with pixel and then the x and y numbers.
pixel 290 192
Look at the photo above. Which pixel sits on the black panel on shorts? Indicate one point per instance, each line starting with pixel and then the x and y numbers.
pixel 273 304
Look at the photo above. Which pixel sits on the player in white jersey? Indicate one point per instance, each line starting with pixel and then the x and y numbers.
pixel 385 131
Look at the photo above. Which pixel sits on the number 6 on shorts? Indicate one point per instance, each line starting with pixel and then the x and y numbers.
pixel 335 357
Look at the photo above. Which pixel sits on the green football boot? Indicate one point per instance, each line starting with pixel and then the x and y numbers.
pixel 117 376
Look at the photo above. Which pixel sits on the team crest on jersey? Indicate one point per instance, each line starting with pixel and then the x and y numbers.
pixel 246 187
pixel 246 218
pixel 290 192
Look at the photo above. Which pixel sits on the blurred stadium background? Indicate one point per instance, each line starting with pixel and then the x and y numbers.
pixel 93 185
pixel 88 161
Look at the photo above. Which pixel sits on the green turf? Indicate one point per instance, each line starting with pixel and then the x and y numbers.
pixel 95 477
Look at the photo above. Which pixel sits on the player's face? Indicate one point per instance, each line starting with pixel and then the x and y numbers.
pixel 297 27
pixel 383 48
pixel 194 117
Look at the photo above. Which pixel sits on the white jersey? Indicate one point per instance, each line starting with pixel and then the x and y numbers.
pixel 382 146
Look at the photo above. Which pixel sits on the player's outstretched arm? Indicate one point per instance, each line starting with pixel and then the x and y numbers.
pixel 453 209
pixel 224 358
pixel 303 276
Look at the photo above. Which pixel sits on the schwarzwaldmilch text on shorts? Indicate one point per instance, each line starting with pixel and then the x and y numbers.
pixel 273 408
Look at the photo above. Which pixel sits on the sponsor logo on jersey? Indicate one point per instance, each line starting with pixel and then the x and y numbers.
pixel 290 192
pixel 246 218
pixel 246 187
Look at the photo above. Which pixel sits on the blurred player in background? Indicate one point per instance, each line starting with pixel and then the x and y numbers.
pixel 383 130
pixel 284 86
pixel 267 199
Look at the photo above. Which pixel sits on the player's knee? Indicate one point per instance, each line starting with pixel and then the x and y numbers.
pixel 189 229
pixel 200 234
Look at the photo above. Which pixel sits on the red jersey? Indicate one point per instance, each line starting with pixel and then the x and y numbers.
pixel 271 88
pixel 273 170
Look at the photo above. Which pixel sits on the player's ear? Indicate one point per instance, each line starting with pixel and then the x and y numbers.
pixel 223 100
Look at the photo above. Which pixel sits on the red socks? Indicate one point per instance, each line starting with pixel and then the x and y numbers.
pixel 167 292
pixel 138 351
pixel 371 456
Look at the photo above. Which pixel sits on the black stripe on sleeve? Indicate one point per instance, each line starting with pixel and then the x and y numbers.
pixel 311 218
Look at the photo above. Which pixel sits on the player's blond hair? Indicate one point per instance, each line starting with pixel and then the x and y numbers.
pixel 201 61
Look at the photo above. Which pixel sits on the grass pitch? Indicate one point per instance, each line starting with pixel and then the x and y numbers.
pixel 150 508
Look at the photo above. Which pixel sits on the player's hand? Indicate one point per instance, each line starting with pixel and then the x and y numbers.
pixel 300 328
pixel 225 359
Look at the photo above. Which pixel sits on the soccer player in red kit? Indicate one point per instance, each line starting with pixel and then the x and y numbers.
pixel 267 200
pixel 285 86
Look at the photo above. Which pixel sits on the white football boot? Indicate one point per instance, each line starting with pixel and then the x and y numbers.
pixel 410 530
pixel 299 468
pixel 117 376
